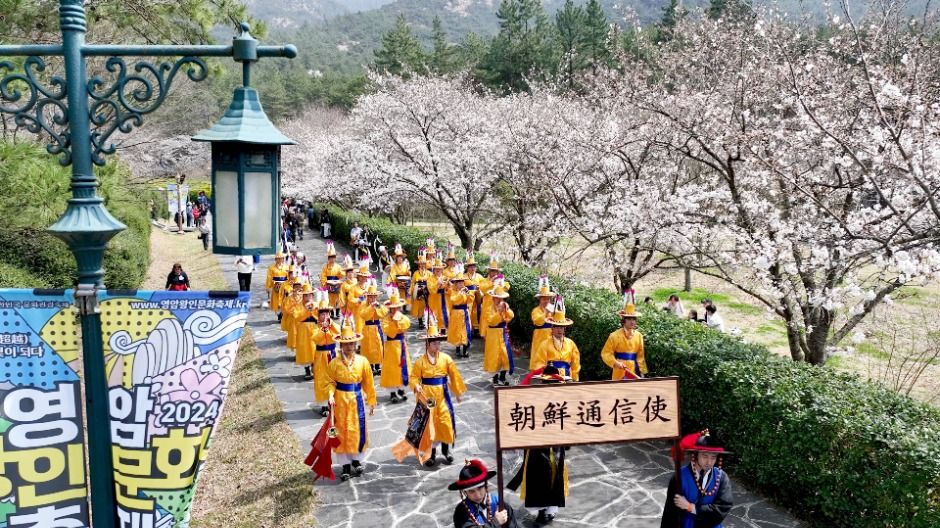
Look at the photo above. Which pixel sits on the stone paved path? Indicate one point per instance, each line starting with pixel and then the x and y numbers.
pixel 621 486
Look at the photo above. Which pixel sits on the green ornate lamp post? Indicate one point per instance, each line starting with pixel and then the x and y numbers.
pixel 79 115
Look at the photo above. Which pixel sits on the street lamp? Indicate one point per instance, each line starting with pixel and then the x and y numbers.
pixel 246 152
pixel 79 116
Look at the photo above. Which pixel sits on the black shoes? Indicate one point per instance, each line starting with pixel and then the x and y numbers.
pixel 431 462
pixel 347 474
pixel 357 468
pixel 445 450
pixel 402 396
pixel 324 411
pixel 544 518
pixel 308 375
pixel 394 398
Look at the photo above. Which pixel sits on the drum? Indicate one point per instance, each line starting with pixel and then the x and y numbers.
pixel 333 286
pixel 403 281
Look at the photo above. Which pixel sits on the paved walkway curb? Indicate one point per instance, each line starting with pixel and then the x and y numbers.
pixel 610 486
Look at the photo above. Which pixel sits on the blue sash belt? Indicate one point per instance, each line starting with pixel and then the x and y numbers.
pixel 629 356
pixel 331 348
pixel 502 326
pixel 561 365
pixel 357 388
pixel 466 320
pixel 442 382
pixel 378 324
pixel 543 326
pixel 332 277
pixel 440 291
pixel 403 361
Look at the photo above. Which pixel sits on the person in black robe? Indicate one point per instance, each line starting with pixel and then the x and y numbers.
pixel 478 508
pixel 701 496
pixel 543 476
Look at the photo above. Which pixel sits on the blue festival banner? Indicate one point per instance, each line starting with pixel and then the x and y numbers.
pixel 168 360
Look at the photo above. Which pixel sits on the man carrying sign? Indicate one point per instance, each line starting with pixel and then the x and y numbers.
pixel 477 507
pixel 703 497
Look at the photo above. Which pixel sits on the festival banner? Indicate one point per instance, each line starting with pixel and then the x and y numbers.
pixel 168 360
pixel 587 413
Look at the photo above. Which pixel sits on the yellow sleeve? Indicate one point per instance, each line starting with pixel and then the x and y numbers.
pixel 269 280
pixel 417 370
pixel 454 379
pixel 389 327
pixel 575 361
pixel 509 315
pixel 494 318
pixel 538 359
pixel 641 355
pixel 415 277
pixel 404 323
pixel 331 378
pixel 458 298
pixel 368 382
pixel 323 277
pixel 607 353
pixel 432 283
pixel 538 316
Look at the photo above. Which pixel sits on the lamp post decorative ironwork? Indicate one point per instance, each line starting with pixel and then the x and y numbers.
pixel 79 115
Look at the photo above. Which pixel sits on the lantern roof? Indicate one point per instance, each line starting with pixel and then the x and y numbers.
pixel 244 122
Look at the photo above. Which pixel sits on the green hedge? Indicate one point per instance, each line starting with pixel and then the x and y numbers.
pixel 837 450
pixel 14 277
pixel 36 188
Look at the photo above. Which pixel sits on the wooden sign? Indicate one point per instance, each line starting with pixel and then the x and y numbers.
pixel 587 413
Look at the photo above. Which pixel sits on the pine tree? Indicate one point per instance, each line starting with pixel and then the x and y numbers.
pixel 570 22
pixel 401 53
pixel 597 36
pixel 734 9
pixel 522 48
pixel 672 14
pixel 443 55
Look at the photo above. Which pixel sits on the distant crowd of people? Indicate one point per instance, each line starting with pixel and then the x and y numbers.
pixel 711 318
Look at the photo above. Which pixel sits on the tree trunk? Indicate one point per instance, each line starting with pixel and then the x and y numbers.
pixel 463 233
pixel 817 339
pixel 793 340
pixel 687 287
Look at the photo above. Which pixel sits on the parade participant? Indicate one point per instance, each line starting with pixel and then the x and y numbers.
pixel 437 286
pixel 385 264
pixel 476 302
pixel 477 507
pixel 543 330
pixel 450 271
pixel 559 351
pixel 419 288
pixel 373 338
pixel 400 273
pixel 324 351
pixel 277 275
pixel 542 480
pixel 395 360
pixel 287 310
pixel 702 498
pixel 349 281
pixel 306 323
pixel 356 296
pixel 459 328
pixel 624 351
pixel 434 378
pixel 486 285
pixel 497 352
pixel 331 274
pixel 351 389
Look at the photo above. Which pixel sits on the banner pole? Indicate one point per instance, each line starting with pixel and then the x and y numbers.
pixel 499 476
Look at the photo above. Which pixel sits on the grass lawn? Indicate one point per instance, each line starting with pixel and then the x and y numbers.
pixel 254 475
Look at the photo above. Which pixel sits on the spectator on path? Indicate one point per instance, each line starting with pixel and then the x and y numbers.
pixel 177 280
pixel 325 223
pixel 152 207
pixel 701 495
pixel 202 199
pixel 189 214
pixel 197 215
pixel 311 217
pixel 674 305
pixel 299 222
pixel 354 234
pixel 712 319
pixel 693 316
pixel 204 234
pixel 244 266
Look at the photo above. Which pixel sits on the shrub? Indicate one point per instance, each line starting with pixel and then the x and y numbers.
pixel 14 277
pixel 836 449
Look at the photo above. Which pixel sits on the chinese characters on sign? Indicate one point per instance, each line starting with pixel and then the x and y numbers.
pixel 587 413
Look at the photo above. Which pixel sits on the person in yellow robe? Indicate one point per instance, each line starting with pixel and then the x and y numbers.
pixel 395 360
pixel 400 273
pixel 287 310
pixel 324 351
pixel 331 276
pixel 351 390
pixel 298 313
pixel 559 351
pixel 277 275
pixel 450 271
pixel 459 328
pixel 419 289
pixel 434 379
pixel 437 288
pixel 497 352
pixel 306 323
pixel 285 290
pixel 373 337
pixel 624 351
pixel 543 329
pixel 493 273
pixel 349 281
pixel 356 296
pixel 473 284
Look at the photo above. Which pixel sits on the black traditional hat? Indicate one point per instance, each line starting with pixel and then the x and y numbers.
pixel 473 475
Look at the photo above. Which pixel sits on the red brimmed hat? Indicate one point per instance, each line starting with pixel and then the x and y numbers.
pixel 473 475
pixel 702 441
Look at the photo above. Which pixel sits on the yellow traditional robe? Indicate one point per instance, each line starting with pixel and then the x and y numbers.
pixel 304 349
pixel 277 275
pixel 287 308
pixel 373 337
pixel 473 284
pixel 418 306
pixel 486 285
pixel 353 390
pixel 459 328
pixel 398 270
pixel 440 382
pixel 325 349
pixel 395 360
pixel 543 332
pixel 449 274
pixel 566 357
pixel 344 289
pixel 355 298
pixel 628 349
pixel 437 289
pixel 496 353
pixel 334 272
pixel 297 314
